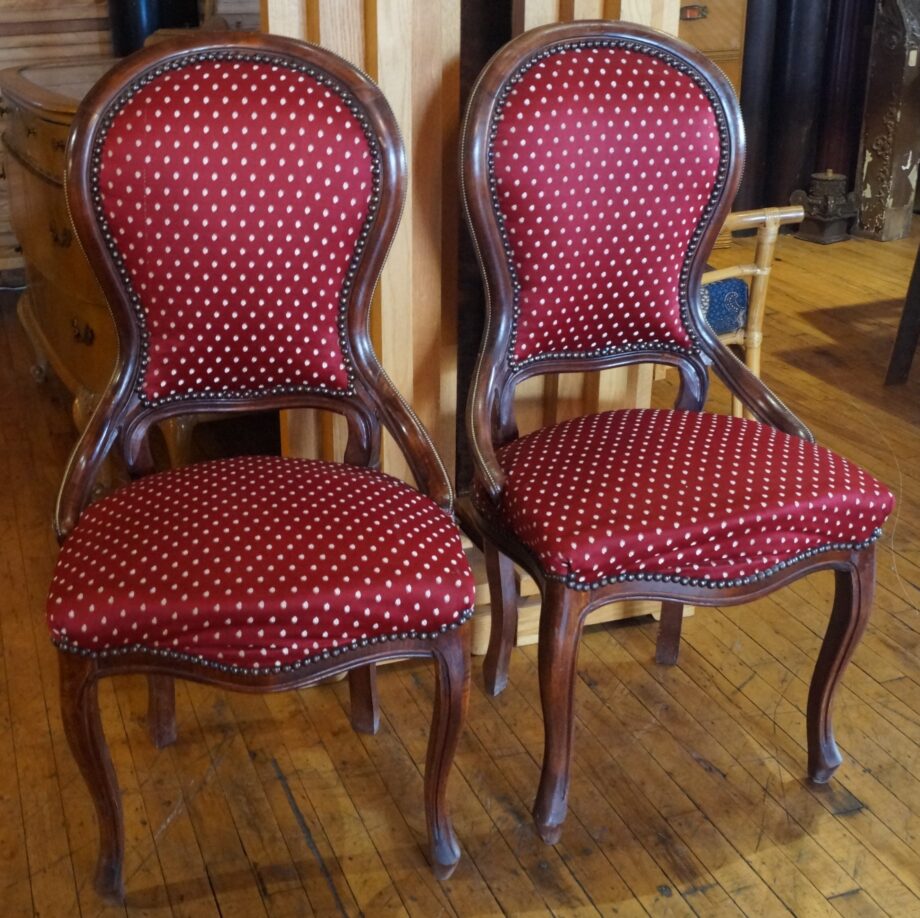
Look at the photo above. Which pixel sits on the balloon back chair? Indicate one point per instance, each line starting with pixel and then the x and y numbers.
pixel 599 161
pixel 236 197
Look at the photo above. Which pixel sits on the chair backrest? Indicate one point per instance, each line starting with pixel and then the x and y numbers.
pixel 598 159
pixel 236 196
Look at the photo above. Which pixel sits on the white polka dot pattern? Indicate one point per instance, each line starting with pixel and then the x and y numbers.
pixel 680 494
pixel 605 159
pixel 258 562
pixel 236 192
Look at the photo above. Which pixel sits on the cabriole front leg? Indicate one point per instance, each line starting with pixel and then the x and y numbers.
pixel 560 630
pixel 452 689
pixel 854 590
pixel 83 729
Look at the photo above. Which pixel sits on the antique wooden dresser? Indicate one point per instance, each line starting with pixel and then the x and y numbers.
pixel 63 309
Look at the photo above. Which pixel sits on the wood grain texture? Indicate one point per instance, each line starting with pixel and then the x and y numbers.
pixel 412 50
pixel 689 796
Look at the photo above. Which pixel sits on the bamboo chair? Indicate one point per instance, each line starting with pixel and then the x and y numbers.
pixel 748 338
pixel 236 195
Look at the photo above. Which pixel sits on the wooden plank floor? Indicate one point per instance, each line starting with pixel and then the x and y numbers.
pixel 688 794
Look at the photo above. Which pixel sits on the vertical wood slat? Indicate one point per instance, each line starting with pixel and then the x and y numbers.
pixel 528 14
pixel 587 9
pixel 393 24
pixel 658 14
pixel 301 431
pixel 285 18
pixel 339 26
pixel 412 51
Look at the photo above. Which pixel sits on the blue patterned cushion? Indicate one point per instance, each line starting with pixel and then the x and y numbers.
pixel 725 305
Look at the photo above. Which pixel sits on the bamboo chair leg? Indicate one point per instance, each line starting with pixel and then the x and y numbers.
pixel 852 602
pixel 452 690
pixel 161 710
pixel 757 304
pixel 83 729
pixel 362 687
pixel 560 630
pixel 667 647
pixel 502 594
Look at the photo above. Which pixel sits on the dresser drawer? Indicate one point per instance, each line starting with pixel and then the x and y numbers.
pixel 79 334
pixel 39 143
pixel 42 223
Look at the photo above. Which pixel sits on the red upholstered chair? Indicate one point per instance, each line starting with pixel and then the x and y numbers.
pixel 236 196
pixel 599 161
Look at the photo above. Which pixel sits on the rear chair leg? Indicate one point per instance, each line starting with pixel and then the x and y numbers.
pixel 161 710
pixel 503 598
pixel 668 645
pixel 452 689
pixel 855 588
pixel 83 729
pixel 362 687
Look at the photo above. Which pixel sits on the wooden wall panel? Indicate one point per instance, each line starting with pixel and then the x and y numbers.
pixel 395 52
pixel 411 48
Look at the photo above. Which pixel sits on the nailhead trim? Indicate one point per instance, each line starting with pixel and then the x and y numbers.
pixel 572 581
pixel 353 106
pixel 67 647
pixel 719 186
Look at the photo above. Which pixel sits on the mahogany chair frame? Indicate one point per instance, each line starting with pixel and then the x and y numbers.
pixel 491 425
pixel 121 422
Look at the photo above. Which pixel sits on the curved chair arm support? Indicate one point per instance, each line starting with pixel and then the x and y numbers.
pixel 89 455
pixel 764 404
pixel 410 434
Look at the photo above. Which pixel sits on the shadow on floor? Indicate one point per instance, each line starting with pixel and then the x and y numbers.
pixel 855 359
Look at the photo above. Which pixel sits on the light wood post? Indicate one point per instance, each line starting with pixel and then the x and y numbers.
pixel 412 50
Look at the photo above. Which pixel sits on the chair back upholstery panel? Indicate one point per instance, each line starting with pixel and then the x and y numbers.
pixel 234 191
pixel 605 158
pixel 236 195
pixel 598 160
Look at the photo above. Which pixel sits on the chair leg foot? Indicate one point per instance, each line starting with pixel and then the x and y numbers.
pixel 549 834
pixel 502 594
pixel 108 883
pixel 444 863
pixel 667 647
pixel 161 710
pixel 452 659
pixel 83 729
pixel 560 630
pixel 852 602
pixel 365 711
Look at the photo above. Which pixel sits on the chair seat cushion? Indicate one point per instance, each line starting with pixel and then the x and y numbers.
pixel 680 495
pixel 258 562
pixel 725 305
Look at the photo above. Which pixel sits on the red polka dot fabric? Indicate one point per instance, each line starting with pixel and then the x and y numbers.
pixel 258 563
pixel 604 161
pixel 235 193
pixel 682 495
